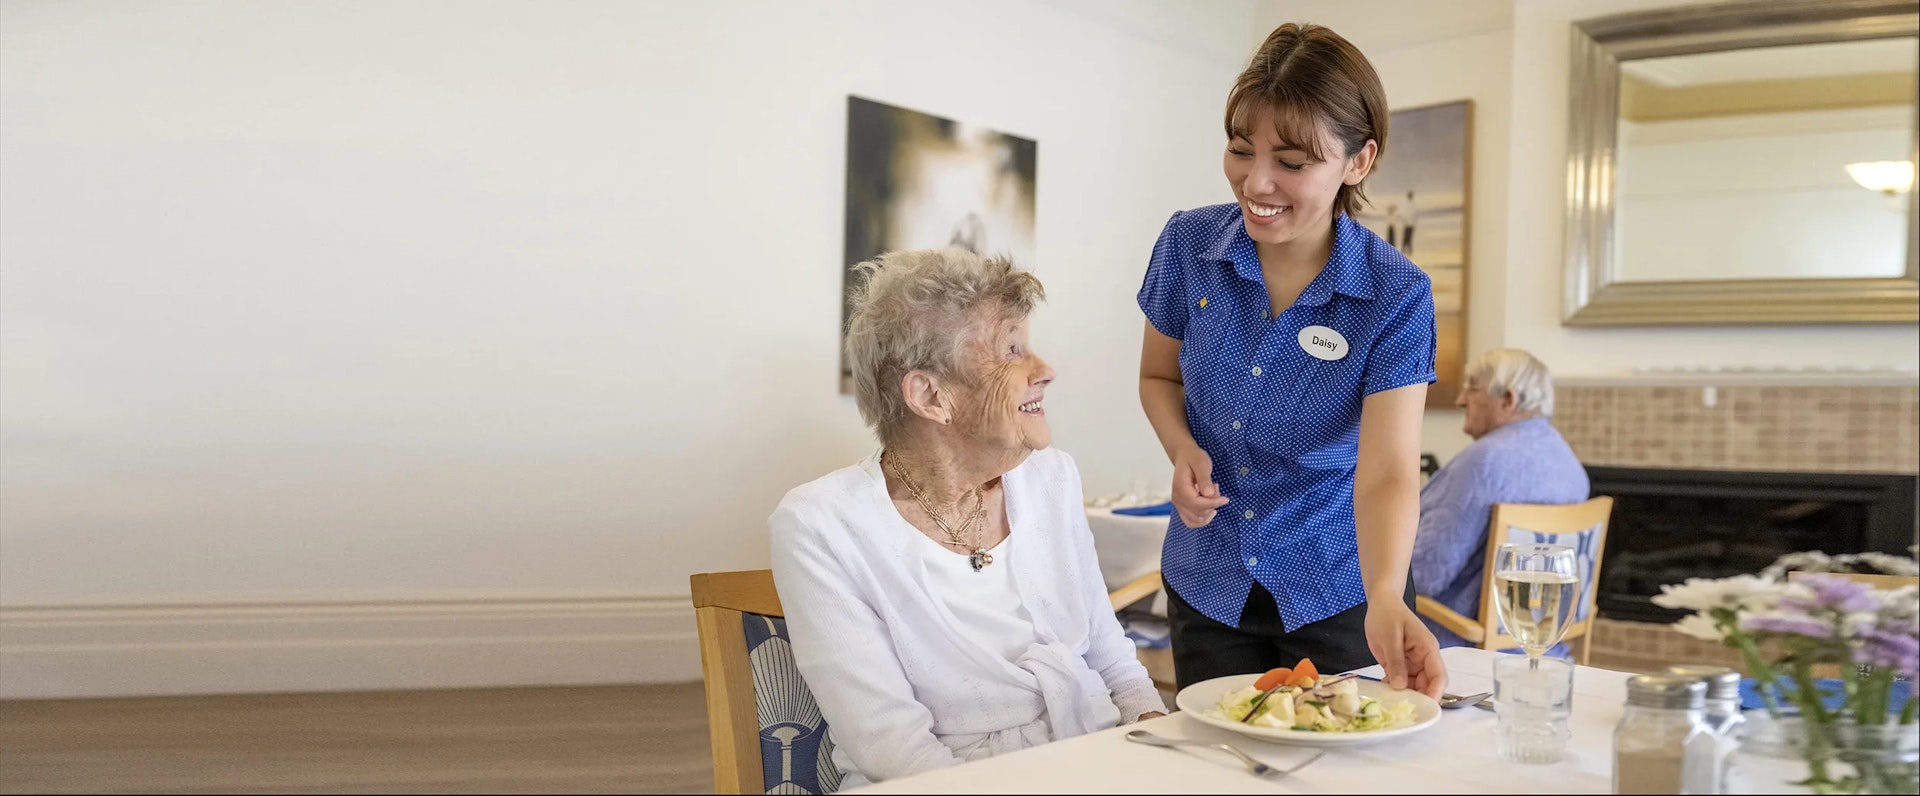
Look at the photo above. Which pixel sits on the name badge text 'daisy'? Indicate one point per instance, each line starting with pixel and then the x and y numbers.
pixel 1323 343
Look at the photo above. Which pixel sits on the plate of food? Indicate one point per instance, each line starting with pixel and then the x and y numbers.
pixel 1295 705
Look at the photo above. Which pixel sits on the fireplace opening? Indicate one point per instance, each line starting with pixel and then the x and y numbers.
pixel 1669 525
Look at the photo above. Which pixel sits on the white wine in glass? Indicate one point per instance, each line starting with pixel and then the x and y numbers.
pixel 1535 587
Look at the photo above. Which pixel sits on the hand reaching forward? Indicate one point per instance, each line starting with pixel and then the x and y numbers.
pixel 1405 648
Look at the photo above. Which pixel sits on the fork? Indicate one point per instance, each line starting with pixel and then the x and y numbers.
pixel 1451 701
pixel 1255 766
pixel 1447 701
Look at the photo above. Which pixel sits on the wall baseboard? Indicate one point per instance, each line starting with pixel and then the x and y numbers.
pixel 74 650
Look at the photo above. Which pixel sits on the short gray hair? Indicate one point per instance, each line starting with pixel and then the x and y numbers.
pixel 1511 370
pixel 918 310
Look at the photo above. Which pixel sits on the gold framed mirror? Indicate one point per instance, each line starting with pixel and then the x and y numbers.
pixel 1744 163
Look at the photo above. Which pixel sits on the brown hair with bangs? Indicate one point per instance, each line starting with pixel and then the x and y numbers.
pixel 1311 80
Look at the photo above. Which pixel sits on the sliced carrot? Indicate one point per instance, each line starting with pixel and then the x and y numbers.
pixel 1273 677
pixel 1305 668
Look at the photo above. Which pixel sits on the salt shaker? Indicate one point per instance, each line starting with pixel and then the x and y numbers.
pixel 1663 743
pixel 1722 714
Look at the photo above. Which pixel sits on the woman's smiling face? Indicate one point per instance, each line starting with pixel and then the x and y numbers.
pixel 1284 189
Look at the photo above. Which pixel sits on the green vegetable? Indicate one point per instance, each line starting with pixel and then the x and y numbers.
pixel 1259 703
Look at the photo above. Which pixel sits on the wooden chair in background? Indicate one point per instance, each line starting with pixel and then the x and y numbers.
pixel 1581 526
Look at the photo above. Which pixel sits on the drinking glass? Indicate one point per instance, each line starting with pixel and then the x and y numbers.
pixel 1533 699
pixel 1535 587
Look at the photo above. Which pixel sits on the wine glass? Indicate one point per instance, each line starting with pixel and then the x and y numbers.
pixel 1535 587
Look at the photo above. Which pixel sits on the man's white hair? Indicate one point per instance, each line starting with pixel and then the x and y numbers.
pixel 1511 370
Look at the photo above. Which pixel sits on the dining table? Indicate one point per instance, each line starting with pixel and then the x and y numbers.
pixel 1456 754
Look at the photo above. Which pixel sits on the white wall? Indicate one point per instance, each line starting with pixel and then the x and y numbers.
pixel 1803 218
pixel 440 303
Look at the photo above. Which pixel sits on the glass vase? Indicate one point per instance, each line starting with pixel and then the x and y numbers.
pixel 1787 755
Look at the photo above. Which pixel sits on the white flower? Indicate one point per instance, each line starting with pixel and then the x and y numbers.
pixel 1816 561
pixel 1857 624
pixel 1901 607
pixel 1797 591
pixel 1901 602
pixel 1889 565
pixel 1738 593
pixel 1699 626
pixel 1809 561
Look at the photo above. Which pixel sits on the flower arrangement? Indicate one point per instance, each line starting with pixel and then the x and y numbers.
pixel 1784 629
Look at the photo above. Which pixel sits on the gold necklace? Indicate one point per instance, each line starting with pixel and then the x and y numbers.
pixel 976 557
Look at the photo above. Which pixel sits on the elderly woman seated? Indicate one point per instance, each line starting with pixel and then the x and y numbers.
pixel 942 594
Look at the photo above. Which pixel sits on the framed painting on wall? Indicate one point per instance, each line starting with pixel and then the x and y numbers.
pixel 919 181
pixel 1421 197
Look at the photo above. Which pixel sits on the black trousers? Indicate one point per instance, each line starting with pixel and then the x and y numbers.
pixel 1204 649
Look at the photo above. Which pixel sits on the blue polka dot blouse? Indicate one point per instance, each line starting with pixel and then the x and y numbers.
pixel 1276 403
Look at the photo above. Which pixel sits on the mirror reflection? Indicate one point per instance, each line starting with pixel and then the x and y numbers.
pixel 1788 162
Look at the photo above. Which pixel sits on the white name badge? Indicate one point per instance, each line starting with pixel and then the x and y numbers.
pixel 1323 342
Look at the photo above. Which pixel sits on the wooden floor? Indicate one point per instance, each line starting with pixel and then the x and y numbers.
pixel 614 739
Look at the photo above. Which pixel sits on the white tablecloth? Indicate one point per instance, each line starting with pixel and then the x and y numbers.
pixel 1455 755
pixel 1128 547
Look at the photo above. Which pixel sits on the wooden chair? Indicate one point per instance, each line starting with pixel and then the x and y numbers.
pixel 723 604
pixel 1581 526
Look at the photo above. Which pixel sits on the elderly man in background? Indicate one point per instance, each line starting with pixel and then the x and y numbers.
pixel 1516 457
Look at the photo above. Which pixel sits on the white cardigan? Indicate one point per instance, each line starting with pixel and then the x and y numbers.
pixel 901 687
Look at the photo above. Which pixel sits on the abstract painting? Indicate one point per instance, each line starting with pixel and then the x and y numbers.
pixel 918 181
pixel 1420 193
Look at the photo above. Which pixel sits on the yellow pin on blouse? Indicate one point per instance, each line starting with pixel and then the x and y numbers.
pixel 1203 302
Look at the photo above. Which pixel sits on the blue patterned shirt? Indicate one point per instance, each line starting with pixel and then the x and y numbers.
pixel 1276 403
pixel 1525 461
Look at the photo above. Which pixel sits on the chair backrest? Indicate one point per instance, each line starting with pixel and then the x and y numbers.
pixel 1581 526
pixel 765 727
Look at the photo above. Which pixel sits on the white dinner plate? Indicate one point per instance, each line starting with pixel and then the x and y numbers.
pixel 1201 699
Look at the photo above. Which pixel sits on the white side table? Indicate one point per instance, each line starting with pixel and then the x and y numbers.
pixel 1128 547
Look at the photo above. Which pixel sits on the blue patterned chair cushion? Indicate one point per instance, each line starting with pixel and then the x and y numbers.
pixel 796 756
pixel 1584 548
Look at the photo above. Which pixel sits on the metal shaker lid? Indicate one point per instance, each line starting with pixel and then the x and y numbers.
pixel 1667 691
pixel 1722 682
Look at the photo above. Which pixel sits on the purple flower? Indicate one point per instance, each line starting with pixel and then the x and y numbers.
pixel 1788 624
pixel 1890 649
pixel 1830 593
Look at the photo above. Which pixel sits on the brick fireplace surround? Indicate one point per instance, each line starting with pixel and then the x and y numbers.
pixel 1824 428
